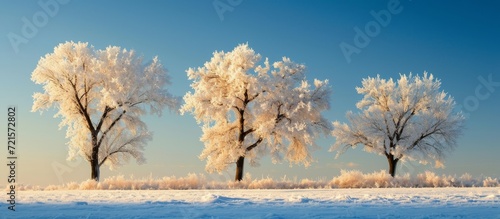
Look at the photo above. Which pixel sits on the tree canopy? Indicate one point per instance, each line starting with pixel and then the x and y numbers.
pixel 249 110
pixel 100 96
pixel 410 119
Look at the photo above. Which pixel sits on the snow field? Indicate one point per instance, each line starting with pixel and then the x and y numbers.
pixel 301 203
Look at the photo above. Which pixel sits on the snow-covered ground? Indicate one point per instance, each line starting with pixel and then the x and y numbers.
pixel 300 203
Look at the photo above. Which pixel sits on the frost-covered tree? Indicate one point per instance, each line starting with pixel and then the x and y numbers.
pixel 100 96
pixel 249 110
pixel 403 121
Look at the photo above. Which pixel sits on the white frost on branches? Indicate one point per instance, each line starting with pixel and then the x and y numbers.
pixel 249 110
pixel 410 119
pixel 100 96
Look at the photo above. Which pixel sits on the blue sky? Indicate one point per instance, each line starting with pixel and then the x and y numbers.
pixel 457 41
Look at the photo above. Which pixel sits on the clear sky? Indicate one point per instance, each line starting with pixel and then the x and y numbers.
pixel 457 41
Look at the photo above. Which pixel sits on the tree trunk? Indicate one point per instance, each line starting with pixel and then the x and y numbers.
pixel 239 169
pixel 94 160
pixel 392 165
pixel 94 166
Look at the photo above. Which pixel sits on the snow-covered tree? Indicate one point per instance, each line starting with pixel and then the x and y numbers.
pixel 410 120
pixel 249 110
pixel 100 96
